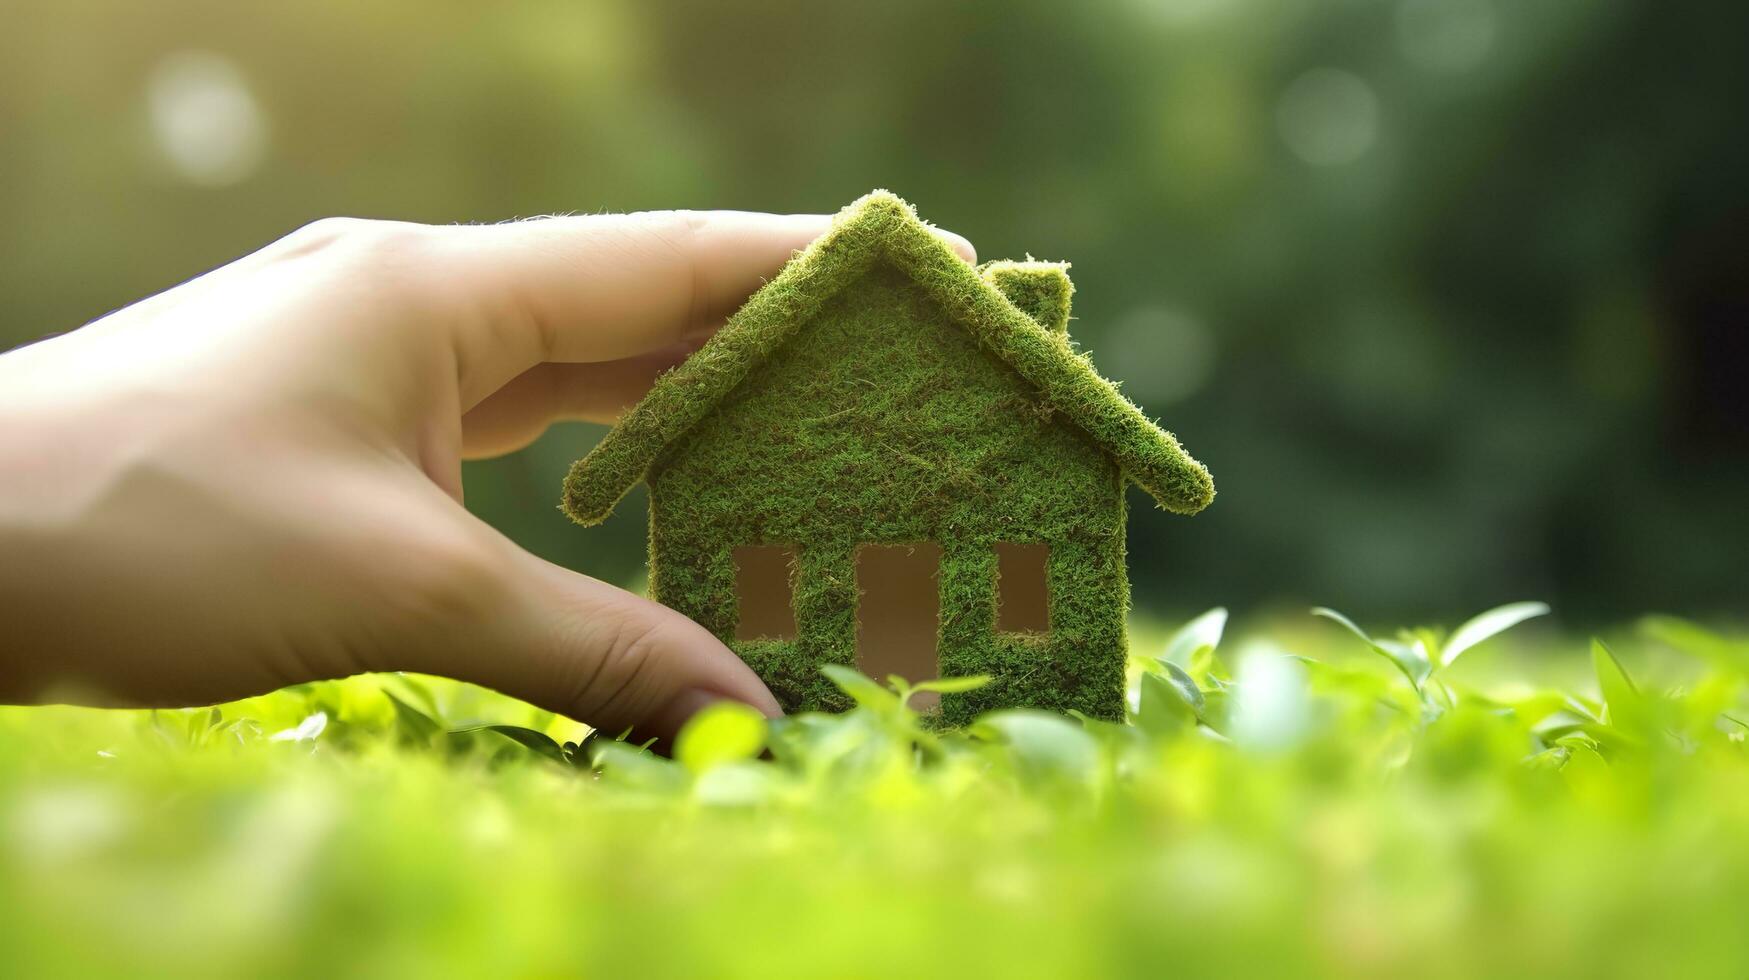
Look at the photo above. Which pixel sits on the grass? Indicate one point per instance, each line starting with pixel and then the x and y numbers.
pixel 1302 800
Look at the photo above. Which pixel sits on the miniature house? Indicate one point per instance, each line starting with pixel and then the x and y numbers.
pixel 891 459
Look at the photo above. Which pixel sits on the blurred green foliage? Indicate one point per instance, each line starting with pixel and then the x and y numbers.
pixel 1446 292
pixel 1289 804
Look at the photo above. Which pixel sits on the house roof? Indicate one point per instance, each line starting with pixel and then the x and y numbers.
pixel 880 226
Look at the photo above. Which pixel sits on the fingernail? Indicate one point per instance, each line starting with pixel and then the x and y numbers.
pixel 958 243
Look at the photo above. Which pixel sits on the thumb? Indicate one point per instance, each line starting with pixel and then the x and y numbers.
pixel 613 660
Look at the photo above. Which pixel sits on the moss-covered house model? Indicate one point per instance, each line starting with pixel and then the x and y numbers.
pixel 891 459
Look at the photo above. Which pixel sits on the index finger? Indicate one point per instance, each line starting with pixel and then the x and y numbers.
pixel 605 287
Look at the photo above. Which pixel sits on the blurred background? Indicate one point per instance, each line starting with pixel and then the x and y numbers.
pixel 1452 296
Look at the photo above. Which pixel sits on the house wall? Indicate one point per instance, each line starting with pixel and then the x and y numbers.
pixel 883 423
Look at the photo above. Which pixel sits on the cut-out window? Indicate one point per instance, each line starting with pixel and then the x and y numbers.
pixel 763 573
pixel 1022 590
pixel 898 613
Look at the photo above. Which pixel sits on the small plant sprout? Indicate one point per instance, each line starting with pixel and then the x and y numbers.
pixel 1420 655
pixel 940 685
pixel 307 730
pixel 1185 686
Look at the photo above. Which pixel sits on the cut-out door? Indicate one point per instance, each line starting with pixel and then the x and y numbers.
pixel 898 613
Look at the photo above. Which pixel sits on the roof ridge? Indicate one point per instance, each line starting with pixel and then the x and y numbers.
pixel 881 225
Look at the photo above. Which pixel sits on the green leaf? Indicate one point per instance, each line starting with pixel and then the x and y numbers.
pixel 1488 625
pixel 1216 714
pixel 1206 665
pixel 538 742
pixel 1185 686
pixel 1627 706
pixel 737 784
pixel 1586 773
pixel 1344 622
pixel 723 732
pixel 1099 727
pixel 1533 708
pixel 413 722
pixel 1170 702
pixel 1595 734
pixel 1413 660
pixel 1203 631
pixel 636 768
pixel 411 690
pixel 861 689
pixel 1044 744
pixel 953 685
pixel 1696 641
pixel 305 731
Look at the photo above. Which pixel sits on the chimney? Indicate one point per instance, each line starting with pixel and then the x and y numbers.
pixel 1040 289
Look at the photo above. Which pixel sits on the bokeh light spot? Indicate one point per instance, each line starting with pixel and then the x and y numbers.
pixel 205 122
pixel 1168 355
pixel 1328 117
pixel 1445 35
pixel 57 824
pixel 1270 710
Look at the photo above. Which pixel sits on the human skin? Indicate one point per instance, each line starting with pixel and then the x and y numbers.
pixel 254 479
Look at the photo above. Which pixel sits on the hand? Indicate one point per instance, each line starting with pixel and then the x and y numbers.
pixel 254 479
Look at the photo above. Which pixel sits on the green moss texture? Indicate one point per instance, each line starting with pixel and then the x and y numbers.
pixel 881 390
pixel 1041 290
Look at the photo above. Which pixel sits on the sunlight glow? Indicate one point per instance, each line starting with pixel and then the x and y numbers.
pixel 206 124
